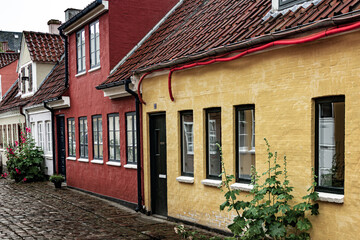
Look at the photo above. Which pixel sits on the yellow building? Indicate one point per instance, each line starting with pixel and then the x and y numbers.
pixel 302 96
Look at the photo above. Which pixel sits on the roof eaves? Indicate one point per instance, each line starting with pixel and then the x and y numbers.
pixel 109 85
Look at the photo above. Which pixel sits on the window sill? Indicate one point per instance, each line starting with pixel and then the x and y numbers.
pixel 331 197
pixel 97 161
pixel 245 187
pixel 115 164
pixel 25 95
pixel 211 182
pixel 48 156
pixel 184 179
pixel 80 74
pixel 94 69
pixel 83 160
pixel 130 166
pixel 71 158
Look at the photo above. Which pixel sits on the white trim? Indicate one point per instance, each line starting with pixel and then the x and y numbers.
pixel 80 73
pixel 64 102
pixel 113 163
pixel 331 197
pixel 94 69
pixel 185 179
pixel 12 113
pixel 130 166
pixel 29 94
pixel 116 92
pixel 71 158
pixel 211 182
pixel 242 187
pixel 97 161
pixel 83 160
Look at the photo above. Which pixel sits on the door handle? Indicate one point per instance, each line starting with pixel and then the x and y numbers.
pixel 162 176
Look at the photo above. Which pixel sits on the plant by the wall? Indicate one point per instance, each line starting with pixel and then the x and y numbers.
pixel 269 214
pixel 25 161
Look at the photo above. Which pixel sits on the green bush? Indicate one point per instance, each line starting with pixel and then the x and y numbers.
pixel 25 161
pixel 57 178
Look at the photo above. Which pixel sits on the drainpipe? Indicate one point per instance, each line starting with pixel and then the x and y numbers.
pixel 22 113
pixel 137 111
pixel 66 58
pixel 52 135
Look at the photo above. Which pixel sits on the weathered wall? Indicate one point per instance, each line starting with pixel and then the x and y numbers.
pixel 281 83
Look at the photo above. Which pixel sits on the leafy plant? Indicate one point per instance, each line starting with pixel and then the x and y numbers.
pixel 269 214
pixel 57 178
pixel 25 161
pixel 191 235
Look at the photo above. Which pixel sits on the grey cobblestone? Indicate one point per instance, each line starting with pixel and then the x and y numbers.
pixel 39 211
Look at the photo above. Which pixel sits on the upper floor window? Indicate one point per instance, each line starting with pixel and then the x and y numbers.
pixel 187 143
pixel 289 3
pixel 131 149
pixel 97 137
pixel 329 143
pixel 80 51
pixel 114 137
pixel 245 141
pixel 71 137
pixel 213 136
pixel 83 134
pixel 94 44
pixel 26 79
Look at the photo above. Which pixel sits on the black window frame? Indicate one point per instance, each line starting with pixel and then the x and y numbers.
pixel 133 130
pixel 332 99
pixel 207 111
pixel 108 133
pixel 82 152
pixel 98 138
pixel 83 67
pixel 97 63
pixel 182 113
pixel 72 131
pixel 283 4
pixel 237 109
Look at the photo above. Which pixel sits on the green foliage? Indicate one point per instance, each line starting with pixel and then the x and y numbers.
pixel 57 178
pixel 269 214
pixel 191 235
pixel 25 161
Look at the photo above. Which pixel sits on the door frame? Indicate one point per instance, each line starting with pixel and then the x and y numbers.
pixel 58 118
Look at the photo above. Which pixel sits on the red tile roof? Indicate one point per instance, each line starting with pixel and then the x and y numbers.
pixel 12 99
pixel 200 27
pixel 7 58
pixel 44 47
pixel 53 86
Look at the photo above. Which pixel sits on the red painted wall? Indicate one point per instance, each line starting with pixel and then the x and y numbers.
pixel 8 76
pixel 120 30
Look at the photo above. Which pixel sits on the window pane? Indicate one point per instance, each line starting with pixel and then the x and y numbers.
pixel 187 143
pixel 116 119
pixel 214 137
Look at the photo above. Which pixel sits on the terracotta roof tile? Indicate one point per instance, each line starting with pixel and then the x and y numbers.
pixel 7 58
pixel 12 99
pixel 200 26
pixel 44 47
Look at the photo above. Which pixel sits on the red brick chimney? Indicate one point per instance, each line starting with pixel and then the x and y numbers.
pixel 53 26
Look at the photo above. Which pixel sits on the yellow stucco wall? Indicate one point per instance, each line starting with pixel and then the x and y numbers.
pixel 282 84
pixel 43 69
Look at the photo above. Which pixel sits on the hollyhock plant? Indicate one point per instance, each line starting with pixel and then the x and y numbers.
pixel 25 162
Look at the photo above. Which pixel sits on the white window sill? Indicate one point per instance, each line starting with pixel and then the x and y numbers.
pixel 94 69
pixel 331 197
pixel 48 155
pixel 211 182
pixel 83 160
pixel 71 158
pixel 112 163
pixel 97 161
pixel 185 179
pixel 25 95
pixel 130 166
pixel 81 73
pixel 242 187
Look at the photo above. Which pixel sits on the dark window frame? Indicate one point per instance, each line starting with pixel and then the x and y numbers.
pixel 82 145
pixel 182 113
pixel 332 99
pixel 71 130
pixel 83 68
pixel 98 138
pixel 97 63
pixel 108 133
pixel 207 111
pixel 283 4
pixel 133 117
pixel 237 109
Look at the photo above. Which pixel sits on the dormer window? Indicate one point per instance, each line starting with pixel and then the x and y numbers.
pixel 283 4
pixel 26 79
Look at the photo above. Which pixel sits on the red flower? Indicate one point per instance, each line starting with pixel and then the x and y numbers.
pixel 17 171
pixel 16 143
pixel 28 130
pixel 5 174
pixel 23 139
pixel 25 179
pixel 10 150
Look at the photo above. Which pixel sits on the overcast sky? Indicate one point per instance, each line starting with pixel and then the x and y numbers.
pixel 33 15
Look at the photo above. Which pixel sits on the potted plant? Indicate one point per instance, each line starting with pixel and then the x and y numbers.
pixel 57 179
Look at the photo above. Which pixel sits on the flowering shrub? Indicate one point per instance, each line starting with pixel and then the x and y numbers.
pixel 25 161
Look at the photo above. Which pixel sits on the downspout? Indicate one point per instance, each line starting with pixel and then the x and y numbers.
pixel 22 113
pixel 66 58
pixel 53 136
pixel 138 149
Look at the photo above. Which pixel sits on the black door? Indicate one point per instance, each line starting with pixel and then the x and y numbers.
pixel 158 164
pixel 60 123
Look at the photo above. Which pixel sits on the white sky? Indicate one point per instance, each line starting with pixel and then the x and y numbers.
pixel 33 15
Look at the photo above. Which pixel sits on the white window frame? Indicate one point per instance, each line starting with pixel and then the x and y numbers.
pixel 94 42
pixel 80 51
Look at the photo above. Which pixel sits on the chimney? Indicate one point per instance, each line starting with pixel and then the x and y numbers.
pixel 70 12
pixel 53 26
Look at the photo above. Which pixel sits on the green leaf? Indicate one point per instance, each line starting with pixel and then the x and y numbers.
pixel 277 230
pixel 303 224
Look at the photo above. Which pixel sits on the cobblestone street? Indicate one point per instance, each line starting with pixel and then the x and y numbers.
pixel 39 211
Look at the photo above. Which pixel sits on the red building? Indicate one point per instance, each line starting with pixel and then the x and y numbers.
pixel 96 135
pixel 8 74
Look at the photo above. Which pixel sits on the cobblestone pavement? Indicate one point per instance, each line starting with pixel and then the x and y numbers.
pixel 39 211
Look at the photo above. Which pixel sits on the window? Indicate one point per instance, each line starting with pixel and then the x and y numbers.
pixel 5 136
pixel 71 137
pixel 48 136
pixel 97 137
pixel 213 137
pixel 80 51
pixel 114 137
pixel 94 44
pixel 131 149
pixel 187 143
pixel 26 79
pixel 1 137
pixel 329 143
pixel 245 142
pixel 40 132
pixel 83 133
pixel 283 4
pixel 9 135
pixel 15 135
